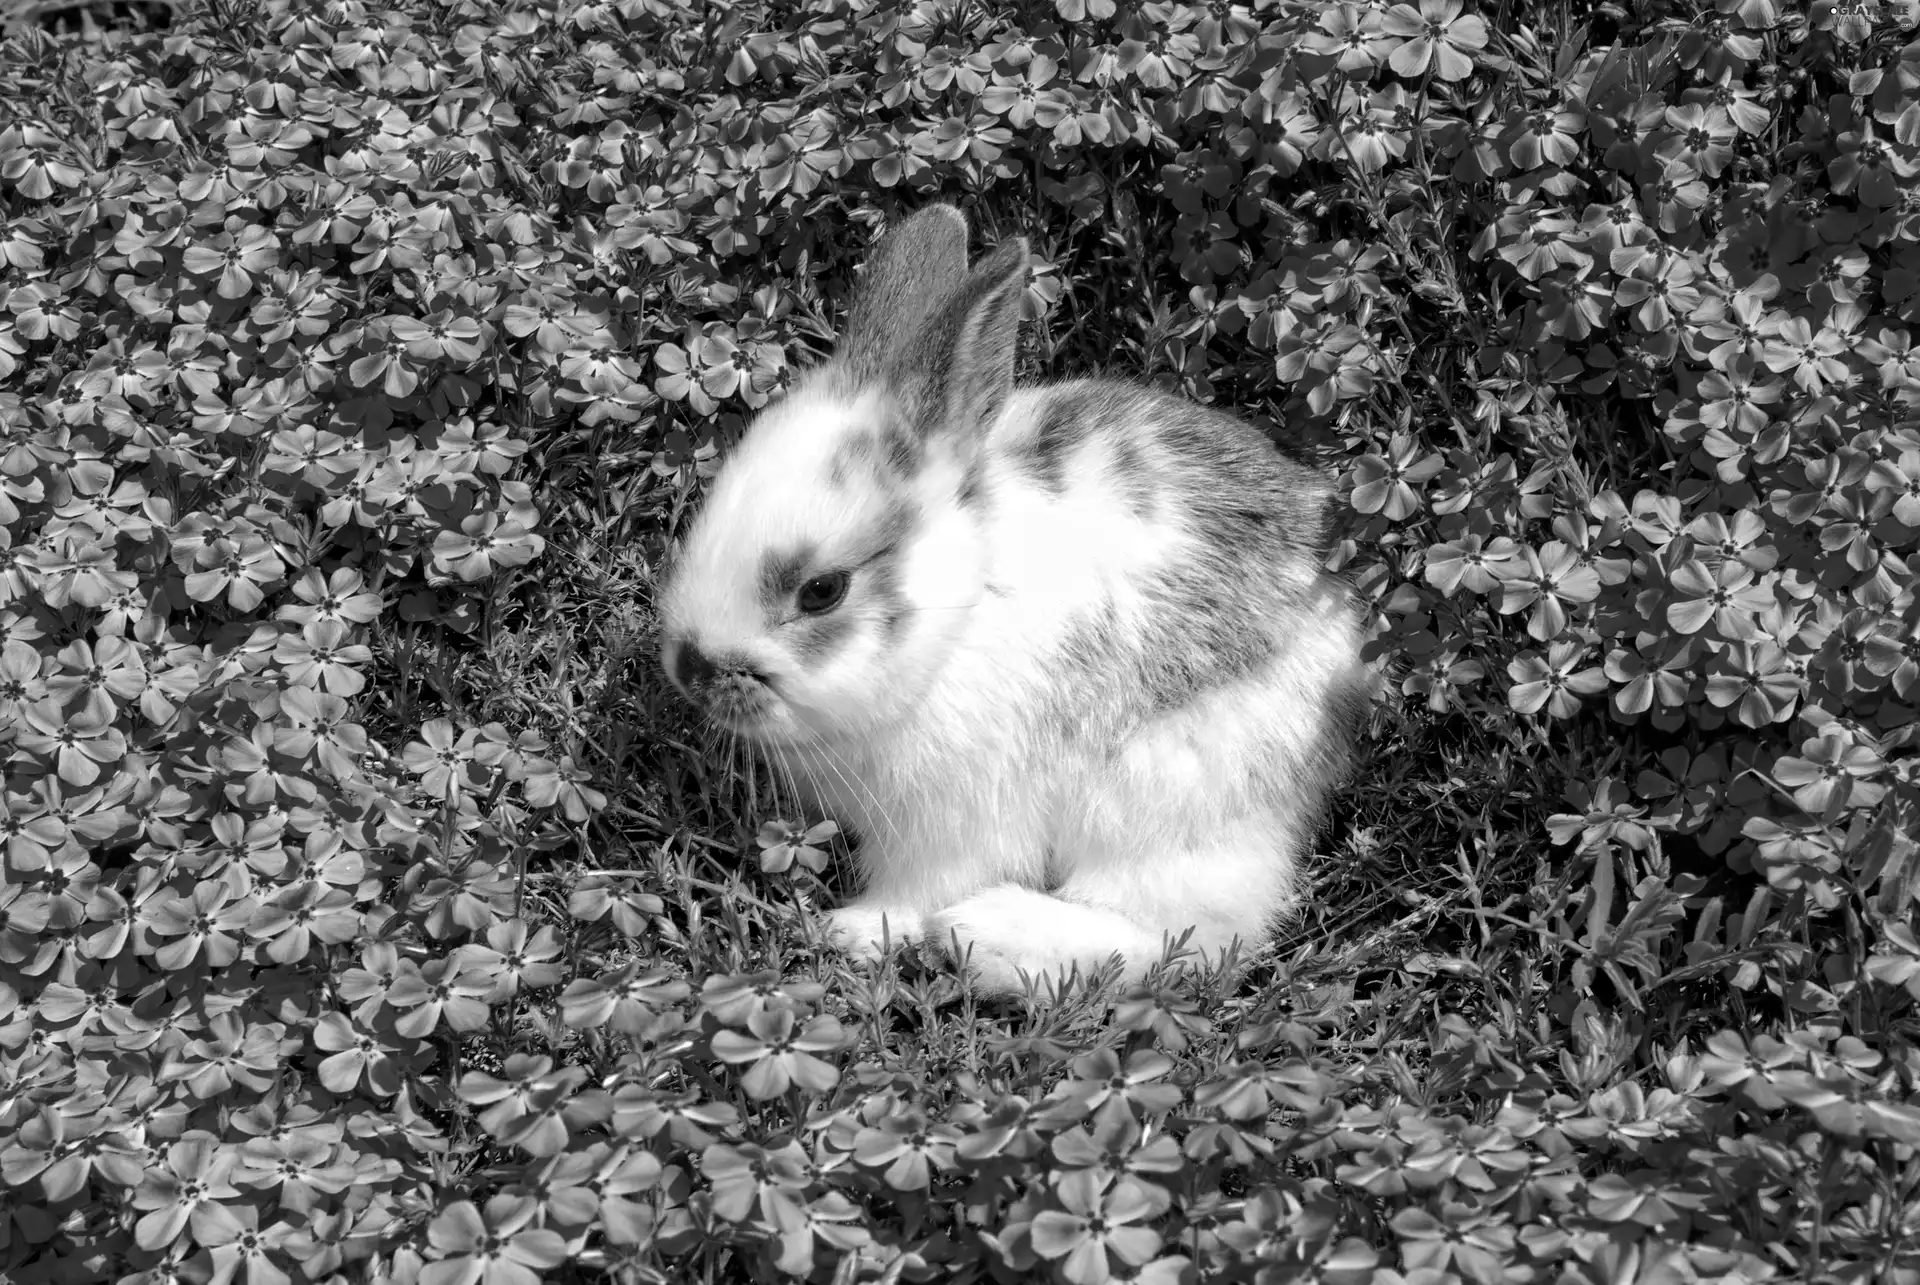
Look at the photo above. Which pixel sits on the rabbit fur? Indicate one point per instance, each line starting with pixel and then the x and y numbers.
pixel 1087 688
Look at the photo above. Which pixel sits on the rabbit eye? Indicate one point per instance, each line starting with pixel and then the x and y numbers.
pixel 823 593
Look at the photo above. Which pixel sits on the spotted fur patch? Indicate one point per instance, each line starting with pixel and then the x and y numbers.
pixel 814 638
pixel 1133 477
pixel 1238 494
pixel 1091 642
pixel 1069 416
pixel 903 452
pixel 974 495
pixel 887 599
pixel 782 572
pixel 887 535
pixel 854 457
pixel 1254 515
pixel 890 457
pixel 1204 632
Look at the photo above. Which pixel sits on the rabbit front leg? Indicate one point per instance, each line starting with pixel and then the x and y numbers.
pixel 898 887
pixel 937 852
pixel 863 929
pixel 1216 892
pixel 888 909
pixel 901 884
pixel 1004 931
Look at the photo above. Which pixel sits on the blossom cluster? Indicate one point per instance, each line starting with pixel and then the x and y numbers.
pixel 320 326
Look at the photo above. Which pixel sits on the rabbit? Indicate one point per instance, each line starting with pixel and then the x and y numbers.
pixel 1063 657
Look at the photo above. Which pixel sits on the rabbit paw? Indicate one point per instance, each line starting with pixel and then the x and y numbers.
pixel 1004 931
pixel 863 930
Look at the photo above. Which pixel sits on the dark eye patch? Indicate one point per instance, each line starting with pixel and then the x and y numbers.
pixel 786 576
pixel 782 572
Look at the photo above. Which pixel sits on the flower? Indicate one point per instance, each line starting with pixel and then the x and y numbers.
pixel 1870 166
pixel 1116 1145
pixel 76 745
pixel 1736 399
pixel 733 998
pixel 1460 1239
pixel 1543 137
pixel 234 1053
pixel 831 1219
pixel 24 913
pixel 1756 680
pixel 780 1056
pixel 627 999
pixel 1099 1077
pixel 1377 133
pixel 339 598
pixel 908 1147
pixel 1553 681
pixel 514 956
pixel 208 919
pixel 446 766
pixel 745 1176
pixel 1385 483
pixel 783 843
pixel 1702 136
pixel 241 569
pixel 194 1172
pixel 1659 289
pixel 111 667
pixel 1606 816
pixel 1554 581
pixel 1833 773
pixel 497 1247
pixel 321 656
pixel 1027 96
pixel 1352 34
pixel 1724 595
pixel 1470 562
pixel 534 1107
pixel 1096 1225
pixel 1813 358
pixel 239 1247
pixel 355 1057
pixel 484 541
pixel 1433 37
pixel 233 260
pixel 597 895
pixel 32 158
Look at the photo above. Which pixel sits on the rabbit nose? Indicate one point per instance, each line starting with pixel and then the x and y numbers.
pixel 687 665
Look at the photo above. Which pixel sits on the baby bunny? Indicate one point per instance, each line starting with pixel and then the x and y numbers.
pixel 1062 657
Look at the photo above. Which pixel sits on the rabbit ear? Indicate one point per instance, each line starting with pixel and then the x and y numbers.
pixel 957 371
pixel 913 268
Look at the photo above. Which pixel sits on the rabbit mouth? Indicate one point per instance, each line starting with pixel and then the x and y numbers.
pixel 748 708
pixel 761 719
pixel 740 705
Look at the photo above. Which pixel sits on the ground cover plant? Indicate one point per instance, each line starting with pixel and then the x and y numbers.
pixel 370 911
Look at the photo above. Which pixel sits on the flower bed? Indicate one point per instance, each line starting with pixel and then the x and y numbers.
pixel 364 915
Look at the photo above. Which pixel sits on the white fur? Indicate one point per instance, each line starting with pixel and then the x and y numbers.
pixel 1041 815
pixel 1161 831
